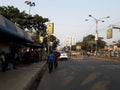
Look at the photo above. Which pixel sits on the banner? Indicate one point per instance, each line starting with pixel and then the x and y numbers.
pixel 50 28
pixel 78 47
pixel 41 39
pixel 96 36
pixel 115 47
pixel 109 33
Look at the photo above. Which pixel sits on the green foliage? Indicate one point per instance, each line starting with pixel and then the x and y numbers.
pixel 55 41
pixel 88 43
pixel 73 47
pixel 101 43
pixel 23 20
pixel 9 12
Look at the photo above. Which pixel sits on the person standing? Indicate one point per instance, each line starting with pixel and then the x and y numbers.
pixel 50 60
pixel 5 60
pixel 12 59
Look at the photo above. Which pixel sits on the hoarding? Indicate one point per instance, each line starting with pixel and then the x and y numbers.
pixel 109 33
pixel 50 28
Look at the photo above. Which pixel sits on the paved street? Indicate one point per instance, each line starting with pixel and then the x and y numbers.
pixel 87 74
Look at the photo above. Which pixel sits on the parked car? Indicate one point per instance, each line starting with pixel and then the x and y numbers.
pixel 63 55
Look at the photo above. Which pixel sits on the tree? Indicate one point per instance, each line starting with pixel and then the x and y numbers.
pixel 88 43
pixel 101 43
pixel 55 41
pixel 10 12
pixel 24 20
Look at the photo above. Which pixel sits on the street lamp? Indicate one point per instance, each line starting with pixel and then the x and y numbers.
pixel 31 4
pixel 96 21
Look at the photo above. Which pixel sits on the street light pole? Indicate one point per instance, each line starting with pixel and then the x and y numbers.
pixel 96 35
pixel 31 4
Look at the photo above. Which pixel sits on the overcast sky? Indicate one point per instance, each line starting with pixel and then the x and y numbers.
pixel 69 16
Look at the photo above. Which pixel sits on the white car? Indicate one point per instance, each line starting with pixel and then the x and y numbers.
pixel 63 55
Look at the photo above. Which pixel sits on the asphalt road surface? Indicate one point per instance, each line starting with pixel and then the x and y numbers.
pixel 83 74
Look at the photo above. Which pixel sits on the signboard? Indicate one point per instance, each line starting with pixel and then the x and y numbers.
pixel 96 36
pixel 78 47
pixel 41 39
pixel 50 28
pixel 115 47
pixel 109 33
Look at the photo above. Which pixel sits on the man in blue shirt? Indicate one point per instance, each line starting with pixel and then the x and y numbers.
pixel 51 59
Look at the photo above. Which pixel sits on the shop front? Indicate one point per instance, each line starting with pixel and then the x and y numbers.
pixel 12 38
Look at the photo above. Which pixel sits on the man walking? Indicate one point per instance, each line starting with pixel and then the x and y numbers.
pixel 57 55
pixel 51 59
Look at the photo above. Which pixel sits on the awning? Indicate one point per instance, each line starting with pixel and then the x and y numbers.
pixel 33 45
pixel 10 32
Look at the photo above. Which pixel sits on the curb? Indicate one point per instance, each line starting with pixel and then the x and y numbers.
pixel 35 80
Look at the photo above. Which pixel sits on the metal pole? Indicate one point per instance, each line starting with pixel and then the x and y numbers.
pixel 70 43
pixel 29 9
pixel 48 43
pixel 48 49
pixel 96 35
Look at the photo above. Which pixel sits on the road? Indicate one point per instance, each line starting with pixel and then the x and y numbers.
pixel 83 74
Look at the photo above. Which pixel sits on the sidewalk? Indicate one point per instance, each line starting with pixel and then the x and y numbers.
pixel 21 78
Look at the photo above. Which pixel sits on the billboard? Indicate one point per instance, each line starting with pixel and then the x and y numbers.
pixel 50 28
pixel 41 39
pixel 109 33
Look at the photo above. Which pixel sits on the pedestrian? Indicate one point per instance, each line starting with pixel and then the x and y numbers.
pixel 12 59
pixel 88 54
pixel 57 55
pixel 50 60
pixel 26 56
pixel 2 59
pixel 5 60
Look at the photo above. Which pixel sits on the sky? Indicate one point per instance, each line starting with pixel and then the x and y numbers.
pixel 69 16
